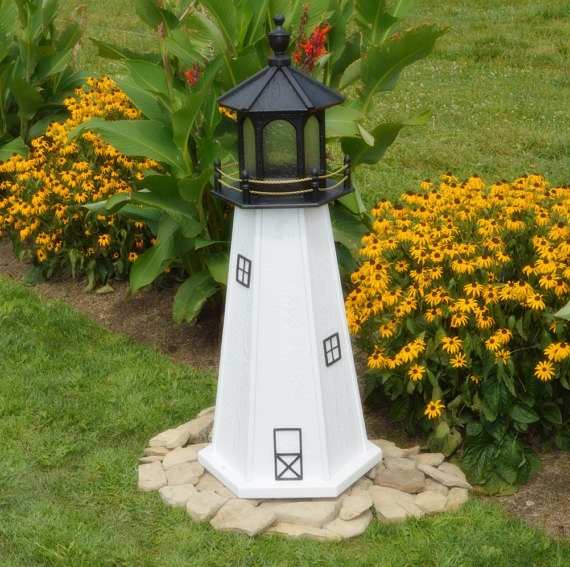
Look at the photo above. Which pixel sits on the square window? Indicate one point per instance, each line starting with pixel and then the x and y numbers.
pixel 332 349
pixel 288 453
pixel 243 270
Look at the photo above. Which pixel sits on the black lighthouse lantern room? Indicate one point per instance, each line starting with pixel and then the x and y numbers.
pixel 280 115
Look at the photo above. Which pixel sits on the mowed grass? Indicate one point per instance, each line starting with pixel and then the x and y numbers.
pixel 77 405
pixel 498 85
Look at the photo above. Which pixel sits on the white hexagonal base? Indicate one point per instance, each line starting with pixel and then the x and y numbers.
pixel 293 488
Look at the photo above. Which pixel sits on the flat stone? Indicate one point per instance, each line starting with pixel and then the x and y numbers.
pixel 151 459
pixel 177 496
pixel 303 512
pixel 399 464
pixel 456 498
pixel 355 504
pixel 412 451
pixel 207 411
pixel 350 528
pixel 151 477
pixel 452 469
pixel 181 455
pixel 432 459
pixel 152 451
pixel 434 486
pixel 210 482
pixel 443 477
pixel 161 439
pixel 371 474
pixel 389 448
pixel 184 473
pixel 431 502
pixel 411 481
pixel 204 505
pixel 394 505
pixel 295 531
pixel 241 516
pixel 198 429
pixel 361 484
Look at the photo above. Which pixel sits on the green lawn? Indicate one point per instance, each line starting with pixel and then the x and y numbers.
pixel 498 85
pixel 77 405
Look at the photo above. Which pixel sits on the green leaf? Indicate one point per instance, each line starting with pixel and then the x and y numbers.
pixel 152 263
pixel 218 264
pixel 342 121
pixel 147 103
pixel 564 313
pixel 148 76
pixel 192 295
pixel 562 440
pixel 348 228
pixel 183 120
pixel 147 138
pixel 384 135
pixel 151 14
pixel 225 15
pixel 551 412
pixel 183 46
pixel 28 98
pixel 15 146
pixel 383 65
pixel 117 52
pixel 524 414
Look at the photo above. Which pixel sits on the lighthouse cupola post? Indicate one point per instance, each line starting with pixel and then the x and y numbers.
pixel 288 420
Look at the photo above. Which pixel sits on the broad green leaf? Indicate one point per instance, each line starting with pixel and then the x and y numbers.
pixel 203 31
pixel 152 263
pixel 384 135
pixel 342 121
pixel 153 15
pixel 348 228
pixel 523 414
pixel 110 51
pixel 183 120
pixel 551 412
pixel 351 74
pixel 192 295
pixel 146 138
pixel 28 98
pixel 147 103
pixel 218 264
pixel 58 61
pixel 382 66
pixel 15 146
pixel 225 15
pixel 373 17
pixel 148 76
pixel 564 313
pixel 182 45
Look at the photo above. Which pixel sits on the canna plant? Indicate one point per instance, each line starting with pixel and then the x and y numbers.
pixel 36 73
pixel 204 48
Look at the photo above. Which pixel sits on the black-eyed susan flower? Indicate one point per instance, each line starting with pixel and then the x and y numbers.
pixel 434 409
pixel 544 371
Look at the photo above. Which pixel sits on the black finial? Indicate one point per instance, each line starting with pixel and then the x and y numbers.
pixel 279 41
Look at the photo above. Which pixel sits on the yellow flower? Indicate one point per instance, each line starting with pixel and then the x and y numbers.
pixel 416 372
pixel 104 240
pixel 544 371
pixel 451 345
pixel 458 361
pixel 434 409
pixel 557 352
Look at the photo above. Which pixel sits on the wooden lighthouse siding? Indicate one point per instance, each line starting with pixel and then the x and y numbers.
pixel 274 381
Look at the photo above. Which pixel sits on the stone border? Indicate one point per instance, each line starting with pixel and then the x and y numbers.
pixel 407 484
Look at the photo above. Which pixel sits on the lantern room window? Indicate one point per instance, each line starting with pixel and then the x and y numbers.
pixel 332 349
pixel 279 150
pixel 312 145
pixel 249 158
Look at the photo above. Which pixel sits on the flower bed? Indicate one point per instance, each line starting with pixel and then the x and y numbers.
pixel 42 196
pixel 454 303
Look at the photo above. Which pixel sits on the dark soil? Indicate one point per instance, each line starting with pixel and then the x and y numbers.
pixel 146 318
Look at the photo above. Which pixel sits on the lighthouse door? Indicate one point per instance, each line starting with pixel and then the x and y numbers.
pixel 288 453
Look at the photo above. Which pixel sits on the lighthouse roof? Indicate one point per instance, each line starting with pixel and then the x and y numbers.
pixel 280 87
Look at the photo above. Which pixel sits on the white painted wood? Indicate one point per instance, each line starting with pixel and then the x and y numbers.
pixel 273 373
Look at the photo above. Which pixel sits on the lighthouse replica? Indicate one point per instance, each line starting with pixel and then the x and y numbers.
pixel 288 421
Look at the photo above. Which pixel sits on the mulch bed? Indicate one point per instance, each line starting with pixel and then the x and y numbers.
pixel 146 318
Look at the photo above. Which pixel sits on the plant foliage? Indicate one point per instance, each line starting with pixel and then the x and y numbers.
pixel 35 70
pixel 454 304
pixel 206 47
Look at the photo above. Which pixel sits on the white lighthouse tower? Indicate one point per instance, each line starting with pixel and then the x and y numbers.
pixel 288 420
